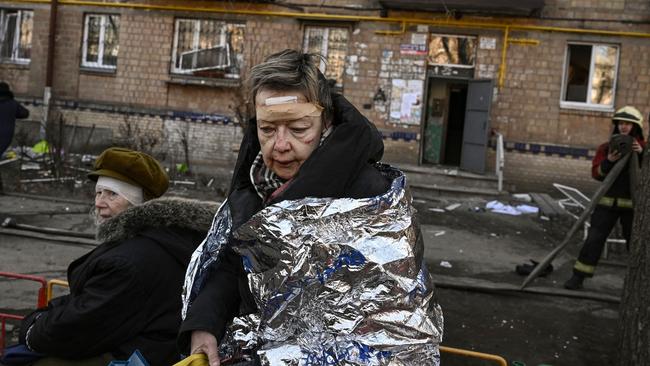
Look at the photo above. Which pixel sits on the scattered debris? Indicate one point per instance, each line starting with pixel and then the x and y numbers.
pixel 445 264
pixel 526 269
pixel 11 223
pixel 527 209
pixel 41 147
pixel 46 180
pixel 548 205
pixel 30 166
pixel 525 197
pixel 185 182
pixel 439 233
pixel 452 207
pixel 88 159
pixel 435 209
pixel 498 207
pixel 7 161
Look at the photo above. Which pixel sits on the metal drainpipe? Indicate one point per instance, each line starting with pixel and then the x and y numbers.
pixel 49 68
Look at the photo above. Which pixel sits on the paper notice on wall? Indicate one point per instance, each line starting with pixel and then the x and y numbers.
pixel 487 43
pixel 406 101
pixel 419 38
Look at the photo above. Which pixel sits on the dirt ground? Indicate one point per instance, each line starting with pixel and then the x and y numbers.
pixel 471 253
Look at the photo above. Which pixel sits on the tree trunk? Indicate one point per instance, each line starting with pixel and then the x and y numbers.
pixel 634 340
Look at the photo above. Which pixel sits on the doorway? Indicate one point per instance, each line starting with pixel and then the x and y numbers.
pixel 455 124
pixel 444 121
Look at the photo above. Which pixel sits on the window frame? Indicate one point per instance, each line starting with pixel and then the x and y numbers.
pixel 99 64
pixel 15 43
pixel 460 66
pixel 179 71
pixel 587 105
pixel 323 63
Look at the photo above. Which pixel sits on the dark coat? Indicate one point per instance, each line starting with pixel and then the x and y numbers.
pixel 341 167
pixel 9 111
pixel 600 167
pixel 126 293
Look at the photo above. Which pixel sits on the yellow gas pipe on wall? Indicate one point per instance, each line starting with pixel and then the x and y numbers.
pixel 506 28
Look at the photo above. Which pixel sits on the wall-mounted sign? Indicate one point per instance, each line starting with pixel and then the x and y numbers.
pixel 413 49
pixel 488 43
pixel 419 38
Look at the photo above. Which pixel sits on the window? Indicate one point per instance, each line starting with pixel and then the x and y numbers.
pixel 457 51
pixel 100 46
pixel 590 76
pixel 208 48
pixel 332 43
pixel 16 28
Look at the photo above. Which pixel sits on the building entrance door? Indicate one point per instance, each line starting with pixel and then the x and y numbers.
pixel 456 123
pixel 477 126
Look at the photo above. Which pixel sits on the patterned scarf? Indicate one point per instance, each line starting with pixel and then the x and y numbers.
pixel 264 180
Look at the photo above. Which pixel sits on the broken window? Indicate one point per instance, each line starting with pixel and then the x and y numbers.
pixel 208 48
pixel 590 75
pixel 447 50
pixel 332 43
pixel 16 27
pixel 100 46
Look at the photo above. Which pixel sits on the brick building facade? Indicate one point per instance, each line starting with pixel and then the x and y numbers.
pixel 174 70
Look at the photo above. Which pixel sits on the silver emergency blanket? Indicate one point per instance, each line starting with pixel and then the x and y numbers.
pixel 336 282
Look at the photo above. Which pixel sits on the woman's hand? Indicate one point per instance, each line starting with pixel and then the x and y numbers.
pixel 205 342
pixel 613 155
pixel 636 147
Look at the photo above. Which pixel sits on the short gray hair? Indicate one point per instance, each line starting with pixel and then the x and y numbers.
pixel 291 69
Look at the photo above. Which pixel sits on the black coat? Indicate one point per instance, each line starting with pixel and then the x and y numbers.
pixel 341 167
pixel 9 111
pixel 126 293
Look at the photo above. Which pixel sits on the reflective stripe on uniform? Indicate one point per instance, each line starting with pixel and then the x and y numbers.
pixel 619 202
pixel 584 268
pixel 624 202
pixel 606 201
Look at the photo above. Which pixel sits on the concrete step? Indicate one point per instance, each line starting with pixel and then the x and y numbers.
pixel 450 179
pixel 434 191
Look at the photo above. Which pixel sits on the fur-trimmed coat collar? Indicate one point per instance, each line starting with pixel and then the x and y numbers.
pixel 161 212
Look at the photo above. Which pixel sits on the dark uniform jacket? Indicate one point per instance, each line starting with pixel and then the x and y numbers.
pixel 619 194
pixel 341 167
pixel 9 111
pixel 126 293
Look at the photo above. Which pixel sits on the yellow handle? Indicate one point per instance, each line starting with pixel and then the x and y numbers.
pixel 197 359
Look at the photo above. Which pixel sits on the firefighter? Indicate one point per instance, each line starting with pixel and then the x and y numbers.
pixel 616 204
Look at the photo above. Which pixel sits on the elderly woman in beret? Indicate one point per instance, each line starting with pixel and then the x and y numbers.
pixel 124 294
pixel 315 257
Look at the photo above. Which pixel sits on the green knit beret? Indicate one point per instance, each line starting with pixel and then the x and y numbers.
pixel 133 167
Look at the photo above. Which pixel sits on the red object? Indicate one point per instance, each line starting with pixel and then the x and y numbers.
pixel 42 292
pixel 41 301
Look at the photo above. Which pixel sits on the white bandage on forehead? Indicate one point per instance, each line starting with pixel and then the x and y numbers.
pixel 130 192
pixel 286 108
